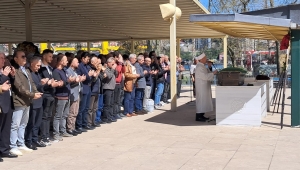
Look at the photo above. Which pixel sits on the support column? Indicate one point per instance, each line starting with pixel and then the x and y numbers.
pixel 225 61
pixel 28 21
pixel 295 52
pixel 10 51
pixel 104 47
pixel 132 47
pixel 88 44
pixel 49 45
pixel 173 83
pixel 178 48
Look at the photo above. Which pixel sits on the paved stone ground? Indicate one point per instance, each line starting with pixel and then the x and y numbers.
pixel 172 140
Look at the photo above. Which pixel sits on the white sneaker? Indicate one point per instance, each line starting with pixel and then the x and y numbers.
pixel 25 149
pixel 162 103
pixel 16 151
pixel 169 100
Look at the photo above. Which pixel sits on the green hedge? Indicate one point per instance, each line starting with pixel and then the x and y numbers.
pixel 234 69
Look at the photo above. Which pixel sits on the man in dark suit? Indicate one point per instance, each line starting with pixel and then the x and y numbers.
pixel 7 107
pixel 85 70
pixel 36 107
pixel 48 96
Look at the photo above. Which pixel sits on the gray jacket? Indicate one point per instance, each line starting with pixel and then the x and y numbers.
pixel 141 81
pixel 109 82
pixel 75 87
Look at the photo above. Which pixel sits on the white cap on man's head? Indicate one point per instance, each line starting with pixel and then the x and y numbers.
pixel 200 56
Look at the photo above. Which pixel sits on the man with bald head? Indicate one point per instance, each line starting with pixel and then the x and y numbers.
pixel 203 78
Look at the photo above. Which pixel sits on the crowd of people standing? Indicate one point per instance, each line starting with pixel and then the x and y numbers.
pixel 44 98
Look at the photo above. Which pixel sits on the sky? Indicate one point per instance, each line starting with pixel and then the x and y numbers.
pixel 205 3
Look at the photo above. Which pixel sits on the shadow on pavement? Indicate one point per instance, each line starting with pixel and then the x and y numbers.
pixel 184 116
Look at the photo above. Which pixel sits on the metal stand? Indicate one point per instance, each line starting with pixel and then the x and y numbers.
pixel 280 91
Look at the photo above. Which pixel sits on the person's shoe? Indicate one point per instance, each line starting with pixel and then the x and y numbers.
pixel 202 116
pixel 25 149
pixel 139 112
pixel 31 146
pixel 128 115
pixel 169 100
pixel 116 116
pixel 88 128
pixel 122 115
pixel 157 106
pixel 1 160
pixel 113 120
pixel 77 132
pixel 102 122
pixel 107 121
pixel 65 134
pixel 39 144
pixel 162 103
pixel 10 155
pixel 133 114
pixel 47 142
pixel 58 138
pixel 96 125
pixel 81 130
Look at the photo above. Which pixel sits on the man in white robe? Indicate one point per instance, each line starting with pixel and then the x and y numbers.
pixel 203 78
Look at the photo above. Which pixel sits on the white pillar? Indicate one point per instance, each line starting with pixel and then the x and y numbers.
pixel 225 51
pixel 28 21
pixel 10 51
pixel 88 44
pixel 132 47
pixel 173 83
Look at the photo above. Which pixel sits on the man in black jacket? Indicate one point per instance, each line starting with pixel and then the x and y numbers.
pixel 7 107
pixel 48 96
pixel 36 107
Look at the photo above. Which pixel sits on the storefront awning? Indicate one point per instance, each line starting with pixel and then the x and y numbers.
pixel 244 26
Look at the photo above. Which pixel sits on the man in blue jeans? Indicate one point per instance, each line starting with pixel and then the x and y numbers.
pixel 24 92
pixel 84 69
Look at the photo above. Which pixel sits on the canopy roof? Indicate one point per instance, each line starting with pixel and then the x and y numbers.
pixel 94 20
pixel 245 26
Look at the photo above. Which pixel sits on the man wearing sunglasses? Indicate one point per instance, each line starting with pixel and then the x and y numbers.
pixel 24 92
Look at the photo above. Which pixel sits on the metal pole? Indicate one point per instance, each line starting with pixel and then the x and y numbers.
pixel 10 52
pixel 49 45
pixel 173 60
pixel 178 48
pixel 132 47
pixel 88 46
pixel 225 61
pixel 28 21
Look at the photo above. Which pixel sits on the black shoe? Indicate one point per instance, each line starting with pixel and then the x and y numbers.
pixel 113 120
pixel 1 160
pixel 9 155
pixel 88 128
pixel 102 122
pixel 39 144
pixel 96 125
pixel 72 133
pixel 31 146
pixel 77 132
pixel 107 121
pixel 200 117
pixel 81 130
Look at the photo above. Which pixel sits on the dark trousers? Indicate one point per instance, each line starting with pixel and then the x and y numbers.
pixel 138 100
pixel 194 89
pixel 81 120
pixel 129 101
pixel 48 105
pixel 166 93
pixel 179 82
pixel 117 99
pixel 100 108
pixel 33 125
pixel 5 125
pixel 108 97
pixel 93 110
